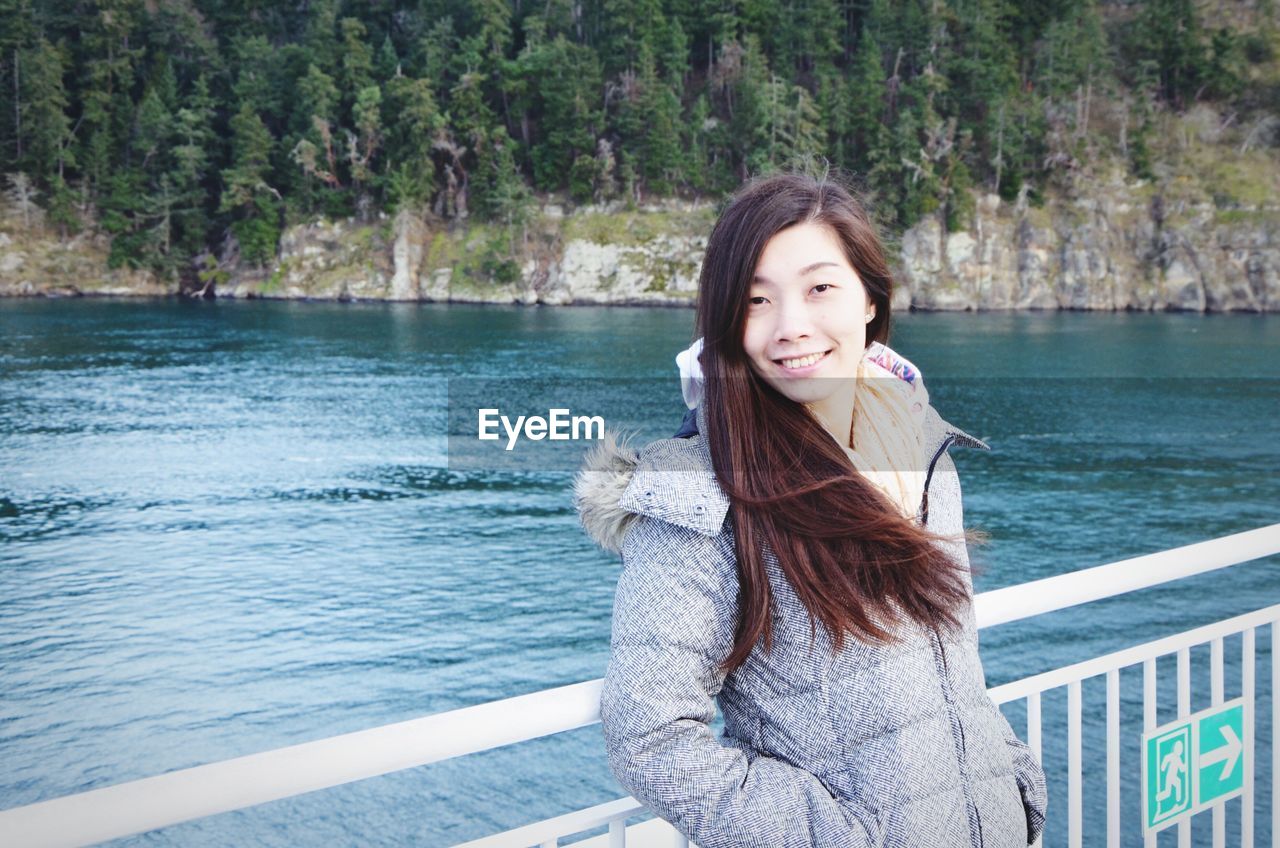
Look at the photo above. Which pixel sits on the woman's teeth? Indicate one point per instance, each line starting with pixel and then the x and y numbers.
pixel 802 361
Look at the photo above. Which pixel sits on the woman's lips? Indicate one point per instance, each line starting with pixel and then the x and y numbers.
pixel 801 365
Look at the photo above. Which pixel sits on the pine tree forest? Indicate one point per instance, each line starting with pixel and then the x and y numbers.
pixel 179 126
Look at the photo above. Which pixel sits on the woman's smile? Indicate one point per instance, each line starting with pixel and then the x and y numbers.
pixel 803 366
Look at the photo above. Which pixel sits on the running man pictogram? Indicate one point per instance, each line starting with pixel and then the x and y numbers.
pixel 1172 766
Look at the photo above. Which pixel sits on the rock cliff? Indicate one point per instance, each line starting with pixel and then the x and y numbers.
pixel 1125 246
pixel 1113 252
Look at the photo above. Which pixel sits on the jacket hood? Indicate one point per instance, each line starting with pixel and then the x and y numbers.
pixel 670 479
pixel 598 489
pixel 674 480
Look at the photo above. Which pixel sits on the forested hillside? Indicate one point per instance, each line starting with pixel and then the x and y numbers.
pixel 187 129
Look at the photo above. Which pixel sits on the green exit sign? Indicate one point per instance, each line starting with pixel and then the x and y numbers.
pixel 1193 763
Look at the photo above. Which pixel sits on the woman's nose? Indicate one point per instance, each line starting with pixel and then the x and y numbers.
pixel 794 323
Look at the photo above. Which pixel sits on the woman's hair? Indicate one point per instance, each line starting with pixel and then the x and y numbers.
pixel 857 563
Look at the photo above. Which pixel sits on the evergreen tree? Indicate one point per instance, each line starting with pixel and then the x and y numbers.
pixel 107 110
pixel 661 155
pixel 906 176
pixel 259 77
pixel 865 122
pixel 364 145
pixel 630 27
pixel 193 132
pixel 809 42
pixel 498 191
pixel 748 79
pixel 672 53
pixel 494 17
pixel 387 64
pixel 321 37
pixel 355 73
pixel 432 55
pixel 554 90
pixel 417 121
pixel 151 135
pixel 252 202
pixel 978 76
pixel 317 99
pixel 45 138
pixel 315 144
pixel 1071 72
pixel 15 36
pixel 1167 34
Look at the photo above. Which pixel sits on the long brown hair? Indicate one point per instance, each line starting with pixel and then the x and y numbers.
pixel 859 565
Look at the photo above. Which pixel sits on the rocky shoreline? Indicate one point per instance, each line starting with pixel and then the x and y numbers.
pixel 1126 247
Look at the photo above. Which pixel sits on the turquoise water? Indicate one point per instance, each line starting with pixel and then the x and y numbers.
pixel 228 527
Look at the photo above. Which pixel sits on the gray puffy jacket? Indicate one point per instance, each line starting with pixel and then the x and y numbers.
pixel 896 745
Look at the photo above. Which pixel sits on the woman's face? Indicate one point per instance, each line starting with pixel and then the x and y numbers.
pixel 806 321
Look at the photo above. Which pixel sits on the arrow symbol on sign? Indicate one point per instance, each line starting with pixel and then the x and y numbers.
pixel 1228 753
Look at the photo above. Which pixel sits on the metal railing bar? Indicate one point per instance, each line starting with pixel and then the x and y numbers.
pixel 1184 710
pixel 1113 758
pixel 1035 740
pixel 1050 594
pixel 1151 839
pixel 1217 691
pixel 1034 725
pixel 1248 692
pixel 575 822
pixel 1275 723
pixel 1075 786
pixel 166 799
pixel 1016 689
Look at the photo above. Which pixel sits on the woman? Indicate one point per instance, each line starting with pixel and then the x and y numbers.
pixel 799 556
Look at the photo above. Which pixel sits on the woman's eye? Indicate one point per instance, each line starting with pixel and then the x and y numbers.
pixel 821 287
pixel 757 301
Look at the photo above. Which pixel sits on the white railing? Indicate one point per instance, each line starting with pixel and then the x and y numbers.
pixel 155 802
pixel 1073 676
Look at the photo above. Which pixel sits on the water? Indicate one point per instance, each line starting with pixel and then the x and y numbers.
pixel 228 527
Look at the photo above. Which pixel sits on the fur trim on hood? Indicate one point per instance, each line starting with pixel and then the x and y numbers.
pixel 598 490
pixel 671 480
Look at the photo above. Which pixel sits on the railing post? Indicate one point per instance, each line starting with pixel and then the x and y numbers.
pixel 1275 748
pixel 1075 805
pixel 1247 691
pixel 1151 840
pixel 1034 741
pixel 1184 710
pixel 1113 758
pixel 1218 694
pixel 1034 725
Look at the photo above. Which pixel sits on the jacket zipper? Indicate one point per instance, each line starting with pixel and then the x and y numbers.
pixel 953 714
pixel 924 500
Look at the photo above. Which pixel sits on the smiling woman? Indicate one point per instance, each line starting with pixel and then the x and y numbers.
pixel 795 558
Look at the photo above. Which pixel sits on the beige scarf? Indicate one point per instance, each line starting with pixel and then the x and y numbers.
pixel 887 441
